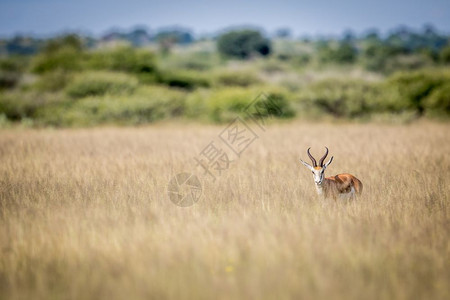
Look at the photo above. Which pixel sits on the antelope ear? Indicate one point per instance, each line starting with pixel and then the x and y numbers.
pixel 307 165
pixel 329 162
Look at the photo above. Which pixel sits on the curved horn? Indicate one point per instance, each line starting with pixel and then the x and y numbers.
pixel 312 158
pixel 323 158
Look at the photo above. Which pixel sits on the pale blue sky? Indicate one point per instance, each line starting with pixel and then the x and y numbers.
pixel 207 16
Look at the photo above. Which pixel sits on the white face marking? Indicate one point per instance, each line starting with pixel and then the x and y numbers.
pixel 318 175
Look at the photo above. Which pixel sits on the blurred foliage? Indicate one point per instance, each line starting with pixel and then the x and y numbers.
pixel 183 79
pixel 243 44
pixel 101 83
pixel 419 92
pixel 147 104
pixel 53 81
pixel 19 105
pixel 343 53
pixel 445 55
pixel 438 102
pixel 82 81
pixel 341 98
pixel 125 59
pixel 63 53
pixel 417 89
pixel 11 70
pixel 224 104
pixel 8 79
pixel 65 59
pixel 242 79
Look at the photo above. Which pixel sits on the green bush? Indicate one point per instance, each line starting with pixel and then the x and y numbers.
pixel 272 103
pixel 438 102
pixel 9 80
pixel 147 104
pixel 101 83
pixel 52 81
pixel 341 98
pixel 124 59
pixel 219 105
pixel 416 87
pixel 242 79
pixel 183 79
pixel 11 70
pixel 224 104
pixel 62 53
pixel 196 61
pixel 444 55
pixel 343 53
pixel 14 64
pixel 19 105
pixel 402 93
pixel 243 43
pixel 65 59
pixel 406 63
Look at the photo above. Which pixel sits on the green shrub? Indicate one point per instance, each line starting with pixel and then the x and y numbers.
pixel 341 98
pixel 100 83
pixel 147 104
pixel 272 103
pixel 243 43
pixel 14 63
pixel 342 53
pixel 52 81
pixel 183 79
pixel 196 61
pixel 416 87
pixel 402 93
pixel 9 80
pixel 242 79
pixel 406 63
pixel 124 59
pixel 11 70
pixel 438 102
pixel 65 59
pixel 444 55
pixel 18 105
pixel 224 104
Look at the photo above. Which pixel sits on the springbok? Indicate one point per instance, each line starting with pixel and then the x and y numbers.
pixel 344 186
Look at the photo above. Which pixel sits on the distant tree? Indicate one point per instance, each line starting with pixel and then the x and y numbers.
pixel 124 59
pixel 372 35
pixel 168 38
pixel 138 37
pixel 178 36
pixel 243 43
pixel 22 45
pixel 63 53
pixel 283 33
pixel 71 41
pixel 429 29
pixel 348 36
pixel 345 53
pixel 324 51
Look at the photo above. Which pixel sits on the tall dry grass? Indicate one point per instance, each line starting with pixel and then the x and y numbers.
pixel 84 215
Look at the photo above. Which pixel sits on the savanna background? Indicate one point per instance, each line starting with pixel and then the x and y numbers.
pixel 95 122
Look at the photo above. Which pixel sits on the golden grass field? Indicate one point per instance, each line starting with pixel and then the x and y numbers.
pixel 85 215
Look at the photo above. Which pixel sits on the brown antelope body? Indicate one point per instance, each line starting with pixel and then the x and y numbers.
pixel 342 186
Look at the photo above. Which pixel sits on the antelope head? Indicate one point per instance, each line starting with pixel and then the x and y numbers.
pixel 318 170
